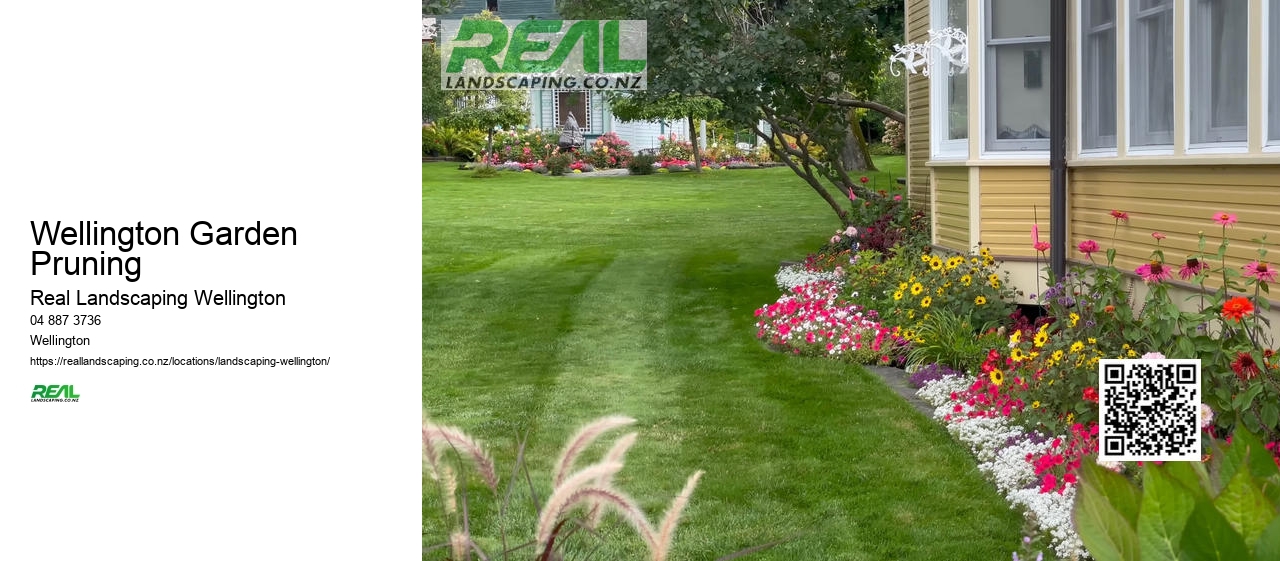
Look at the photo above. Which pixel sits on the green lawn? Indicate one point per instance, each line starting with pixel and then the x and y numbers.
pixel 548 302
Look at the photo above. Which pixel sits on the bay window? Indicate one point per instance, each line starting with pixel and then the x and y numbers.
pixel 1151 73
pixel 1098 80
pixel 1017 75
pixel 950 88
pixel 1219 78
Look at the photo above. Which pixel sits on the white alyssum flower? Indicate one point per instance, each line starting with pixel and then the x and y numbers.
pixel 1053 514
pixel 791 276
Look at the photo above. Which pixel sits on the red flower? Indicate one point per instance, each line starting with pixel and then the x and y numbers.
pixel 1041 246
pixel 1120 215
pixel 1050 481
pixel 1088 247
pixel 1245 367
pixel 1091 395
pixel 1236 308
pixel 863 179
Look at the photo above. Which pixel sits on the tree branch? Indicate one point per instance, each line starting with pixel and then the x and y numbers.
pixel 862 104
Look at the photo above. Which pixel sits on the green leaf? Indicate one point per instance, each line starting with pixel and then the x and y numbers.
pixel 1166 506
pixel 1256 453
pixel 1245 400
pixel 1209 537
pixel 1268 546
pixel 1245 508
pixel 1108 534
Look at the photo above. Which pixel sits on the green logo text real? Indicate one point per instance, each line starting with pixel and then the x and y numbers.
pixel 54 393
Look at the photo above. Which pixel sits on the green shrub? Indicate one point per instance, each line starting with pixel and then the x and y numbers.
pixel 485 171
pixel 558 163
pixel 641 165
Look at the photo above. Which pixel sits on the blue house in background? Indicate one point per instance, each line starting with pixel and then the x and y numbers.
pixel 548 109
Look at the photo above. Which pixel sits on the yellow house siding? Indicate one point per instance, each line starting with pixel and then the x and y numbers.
pixel 918 152
pixel 952 184
pixel 1178 201
pixel 1011 200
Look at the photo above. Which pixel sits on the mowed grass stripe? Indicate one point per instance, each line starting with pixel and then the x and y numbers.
pixel 550 301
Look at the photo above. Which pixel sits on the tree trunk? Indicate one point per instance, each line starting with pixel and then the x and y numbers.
pixel 488 148
pixel 693 140
pixel 854 154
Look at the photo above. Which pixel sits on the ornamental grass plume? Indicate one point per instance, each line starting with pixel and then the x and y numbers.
pixel 434 435
pixel 580 441
pixel 579 488
pixel 616 454
pixel 665 533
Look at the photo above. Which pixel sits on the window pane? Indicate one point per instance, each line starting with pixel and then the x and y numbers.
pixel 1273 97
pixel 1019 18
pixel 1098 83
pixel 1219 70
pixel 1022 91
pixel 957 84
pixel 1151 73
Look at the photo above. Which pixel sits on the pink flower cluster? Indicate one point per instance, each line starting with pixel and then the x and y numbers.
pixel 812 320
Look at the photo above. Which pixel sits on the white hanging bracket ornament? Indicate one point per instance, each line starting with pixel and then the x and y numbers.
pixel 921 58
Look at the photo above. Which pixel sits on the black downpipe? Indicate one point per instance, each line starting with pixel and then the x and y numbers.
pixel 1058 138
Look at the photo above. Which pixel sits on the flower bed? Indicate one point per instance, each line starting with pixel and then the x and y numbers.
pixel 1022 392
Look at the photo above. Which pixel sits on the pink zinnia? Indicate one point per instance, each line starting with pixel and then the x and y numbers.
pixel 1192 268
pixel 1261 271
pixel 835 239
pixel 1158 235
pixel 1119 215
pixel 1225 219
pixel 1041 246
pixel 1088 247
pixel 1154 271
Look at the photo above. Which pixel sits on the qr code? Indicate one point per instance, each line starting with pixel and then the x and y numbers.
pixel 1149 410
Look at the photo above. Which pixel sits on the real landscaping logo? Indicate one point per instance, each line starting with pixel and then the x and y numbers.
pixel 54 393
pixel 479 54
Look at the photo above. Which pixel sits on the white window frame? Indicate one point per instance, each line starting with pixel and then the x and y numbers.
pixel 943 147
pixel 586 123
pixel 1001 147
pixel 1081 52
pixel 1194 88
pixel 1272 36
pixel 1134 114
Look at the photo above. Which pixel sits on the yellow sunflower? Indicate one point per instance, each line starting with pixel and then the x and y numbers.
pixel 1071 417
pixel 1017 355
pixel 1077 347
pixel 1040 339
pixel 1132 353
pixel 924 302
pixel 940 291
pixel 966 280
pixel 1015 338
pixel 897 295
pixel 935 263
pixel 980 300
pixel 996 377
pixel 903 286
pixel 916 289
pixel 909 334
pixel 1075 318
pixel 1035 404
pixel 911 314
pixel 924 257
pixel 1093 341
pixel 1057 355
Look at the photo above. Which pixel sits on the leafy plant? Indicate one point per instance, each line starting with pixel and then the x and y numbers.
pixel 1185 510
pixel 451 141
pixel 485 171
pixel 950 339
